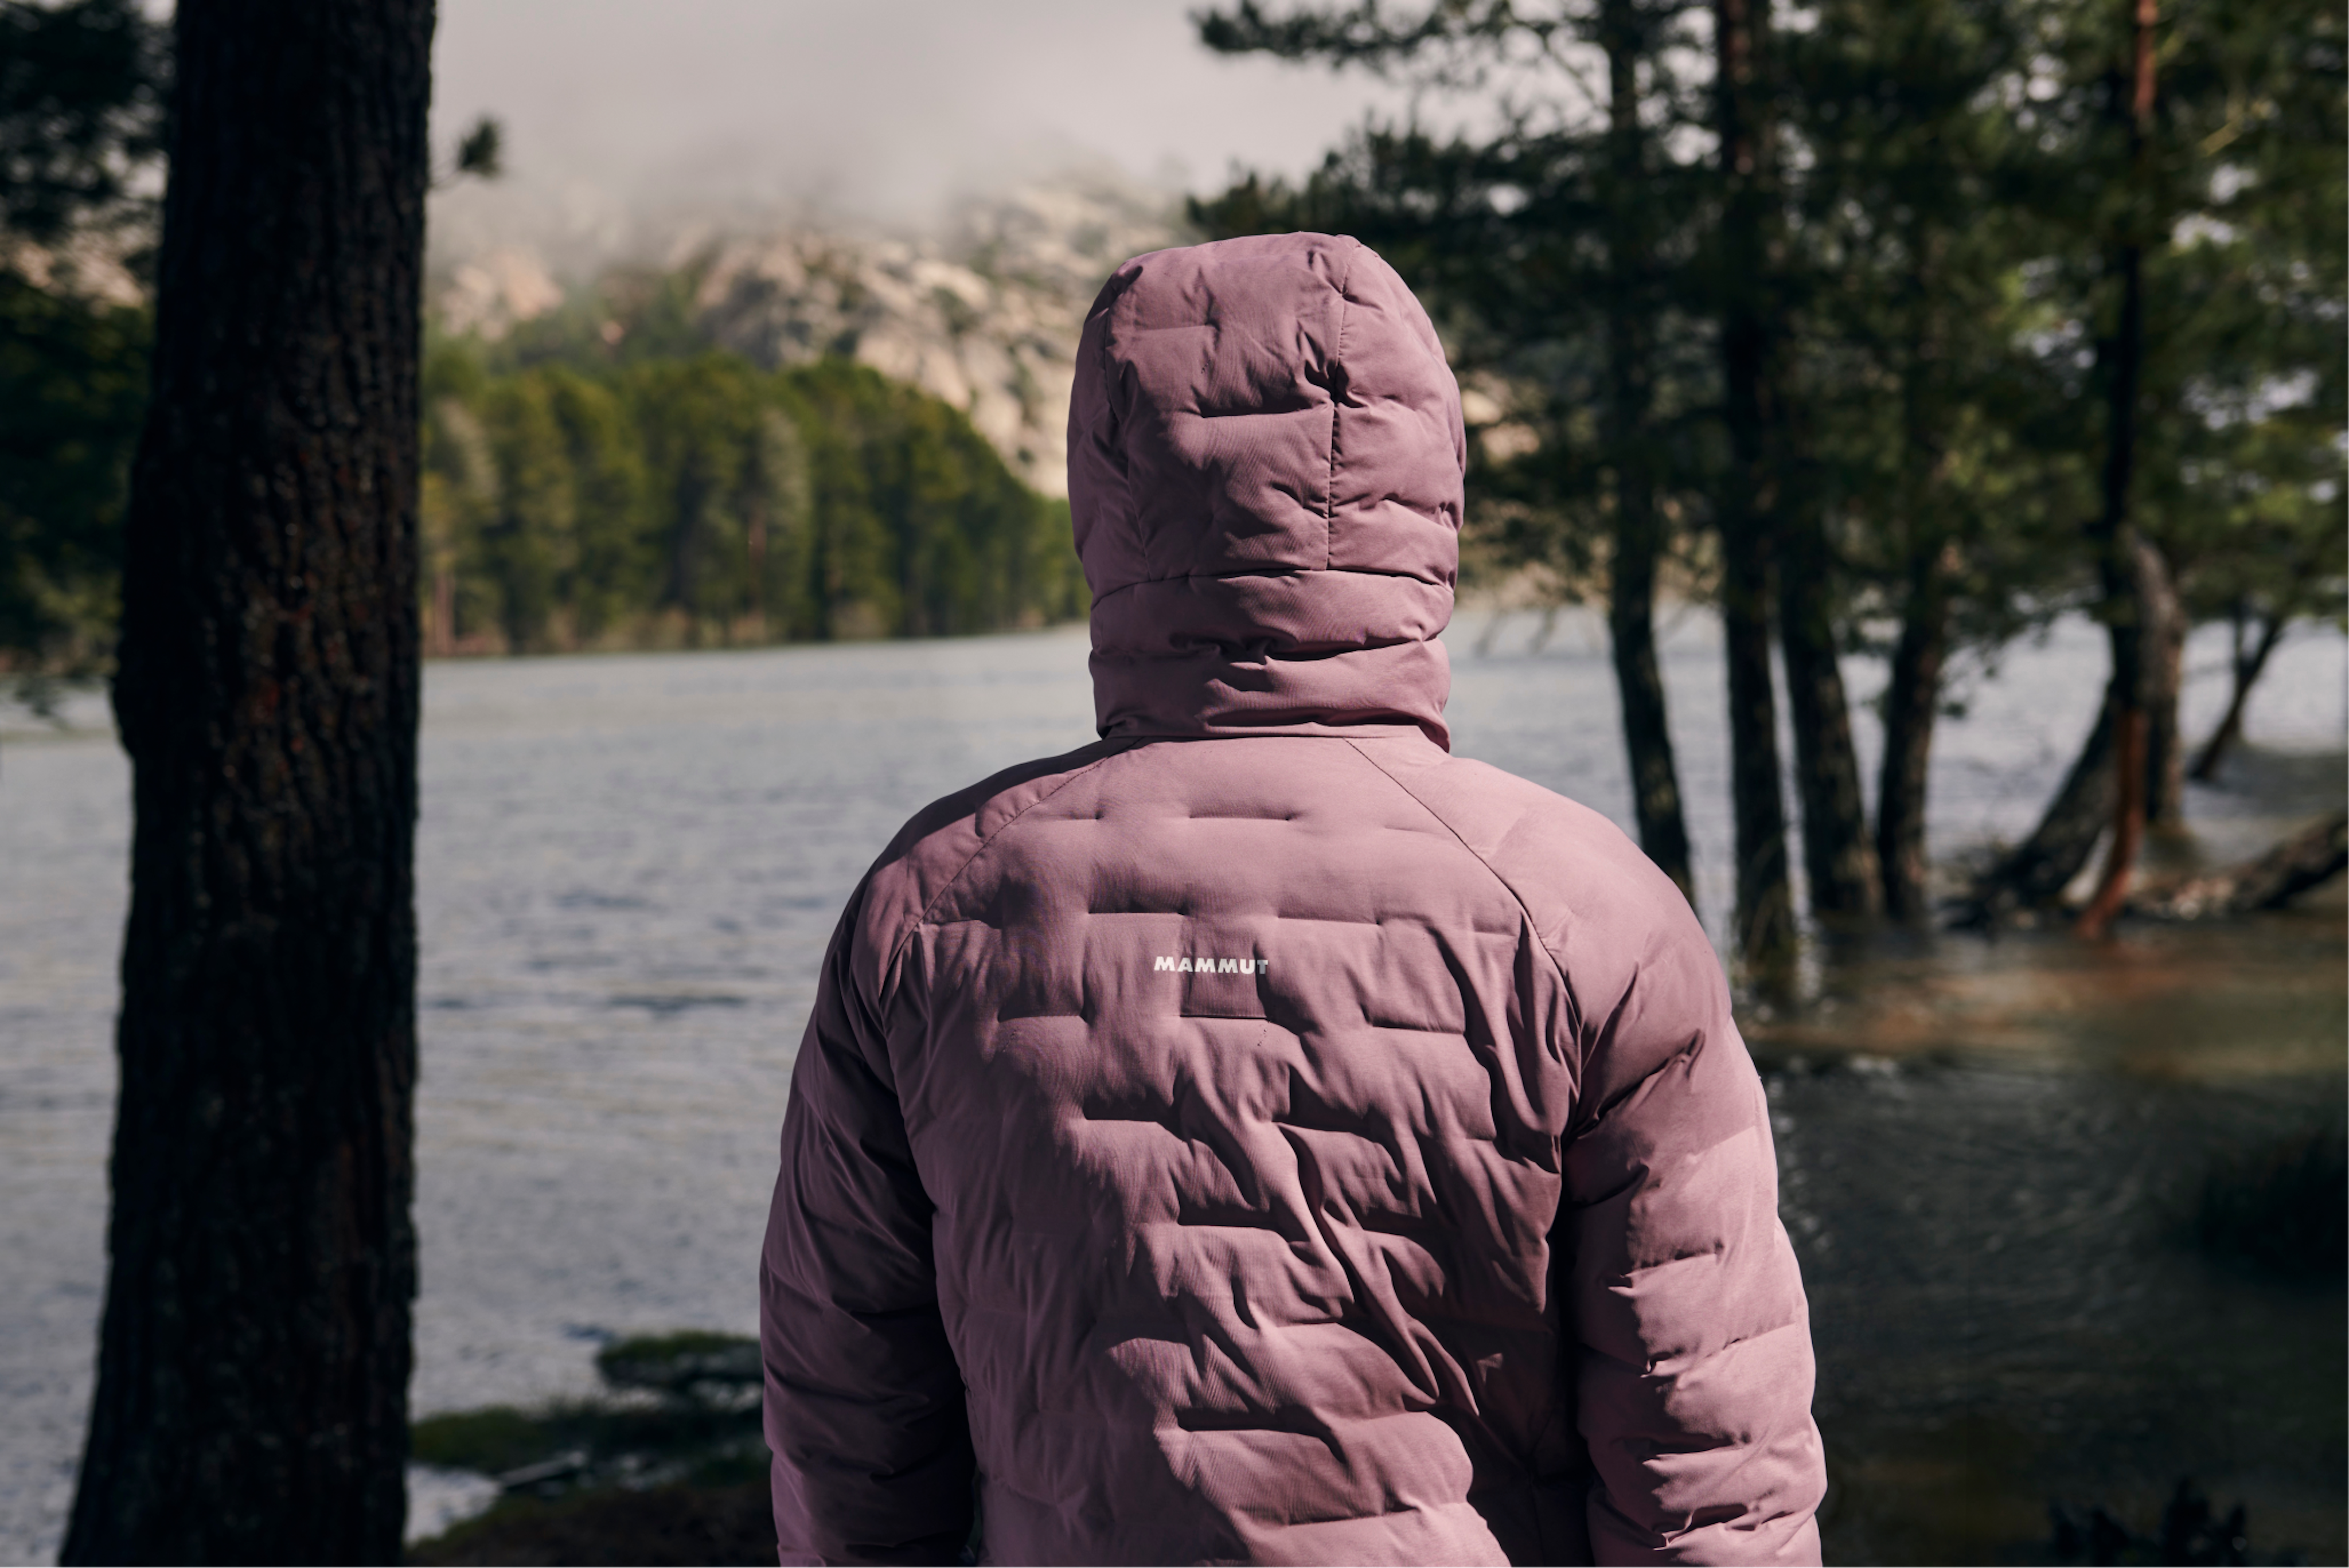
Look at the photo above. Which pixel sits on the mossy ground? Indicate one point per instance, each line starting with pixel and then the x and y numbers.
pixel 669 1468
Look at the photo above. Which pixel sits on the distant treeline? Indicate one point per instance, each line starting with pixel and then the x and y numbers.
pixel 664 501
pixel 700 499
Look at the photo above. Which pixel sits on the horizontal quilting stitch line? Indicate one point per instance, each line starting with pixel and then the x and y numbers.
pixel 1129 1322
pixel 1691 1360
pixel 1379 1126
pixel 1369 923
pixel 1637 1087
pixel 949 922
pixel 1627 1275
pixel 1310 1109
pixel 906 937
pixel 1276 1226
pixel 1259 410
pixel 1388 1027
pixel 1271 1224
pixel 1394 1505
pixel 1241 655
pixel 1268 573
pixel 1232 817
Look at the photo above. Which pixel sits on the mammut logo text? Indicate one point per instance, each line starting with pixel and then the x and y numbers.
pixel 1211 966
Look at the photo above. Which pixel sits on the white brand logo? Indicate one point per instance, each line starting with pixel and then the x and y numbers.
pixel 1210 965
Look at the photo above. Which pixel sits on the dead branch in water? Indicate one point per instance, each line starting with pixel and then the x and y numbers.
pixel 2312 856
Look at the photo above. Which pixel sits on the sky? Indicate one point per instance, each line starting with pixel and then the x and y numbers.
pixel 880 109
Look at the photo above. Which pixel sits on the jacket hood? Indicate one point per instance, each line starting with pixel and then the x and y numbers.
pixel 1265 467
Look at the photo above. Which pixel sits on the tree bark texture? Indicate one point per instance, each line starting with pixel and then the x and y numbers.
pixel 251 1404
pixel 2121 556
pixel 2129 824
pixel 1630 351
pixel 1837 852
pixel 1911 698
pixel 1754 412
pixel 1912 693
pixel 2140 605
pixel 2113 534
pixel 2165 681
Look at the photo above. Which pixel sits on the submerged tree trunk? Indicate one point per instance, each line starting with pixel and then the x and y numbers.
pixel 1754 411
pixel 2127 565
pixel 2128 822
pixel 2308 859
pixel 251 1403
pixel 2140 606
pixel 2246 668
pixel 1912 700
pixel 1630 351
pixel 2034 873
pixel 2165 746
pixel 1912 694
pixel 2090 805
pixel 1837 854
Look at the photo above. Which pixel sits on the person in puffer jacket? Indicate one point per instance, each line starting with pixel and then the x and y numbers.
pixel 1260 1136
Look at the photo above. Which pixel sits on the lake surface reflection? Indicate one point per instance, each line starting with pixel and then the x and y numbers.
pixel 629 865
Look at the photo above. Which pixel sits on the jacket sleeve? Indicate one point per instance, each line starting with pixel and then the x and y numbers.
pixel 1694 1371
pixel 871 1454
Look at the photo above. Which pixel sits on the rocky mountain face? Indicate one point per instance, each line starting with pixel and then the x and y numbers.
pixel 984 314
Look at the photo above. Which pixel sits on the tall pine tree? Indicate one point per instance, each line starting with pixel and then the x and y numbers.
pixel 253 1358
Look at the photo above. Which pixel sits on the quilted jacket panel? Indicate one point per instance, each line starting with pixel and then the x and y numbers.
pixel 1260 1136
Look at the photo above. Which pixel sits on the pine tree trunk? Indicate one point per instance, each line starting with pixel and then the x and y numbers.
pixel 1912 694
pixel 2125 563
pixel 1911 699
pixel 2128 825
pixel 2246 669
pixel 2036 872
pixel 2165 679
pixel 1836 853
pixel 253 1357
pixel 1639 682
pixel 1630 351
pixel 1753 410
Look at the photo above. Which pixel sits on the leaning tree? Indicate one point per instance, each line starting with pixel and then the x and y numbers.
pixel 253 1357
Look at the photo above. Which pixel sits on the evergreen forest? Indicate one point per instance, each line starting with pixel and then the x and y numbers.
pixel 1897 326
pixel 696 500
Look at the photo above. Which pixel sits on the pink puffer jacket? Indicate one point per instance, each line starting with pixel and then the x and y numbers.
pixel 1259 1136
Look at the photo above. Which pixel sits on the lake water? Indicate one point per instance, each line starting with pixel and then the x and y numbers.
pixel 628 867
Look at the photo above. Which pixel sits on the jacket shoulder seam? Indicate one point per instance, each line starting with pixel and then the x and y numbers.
pixel 1490 869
